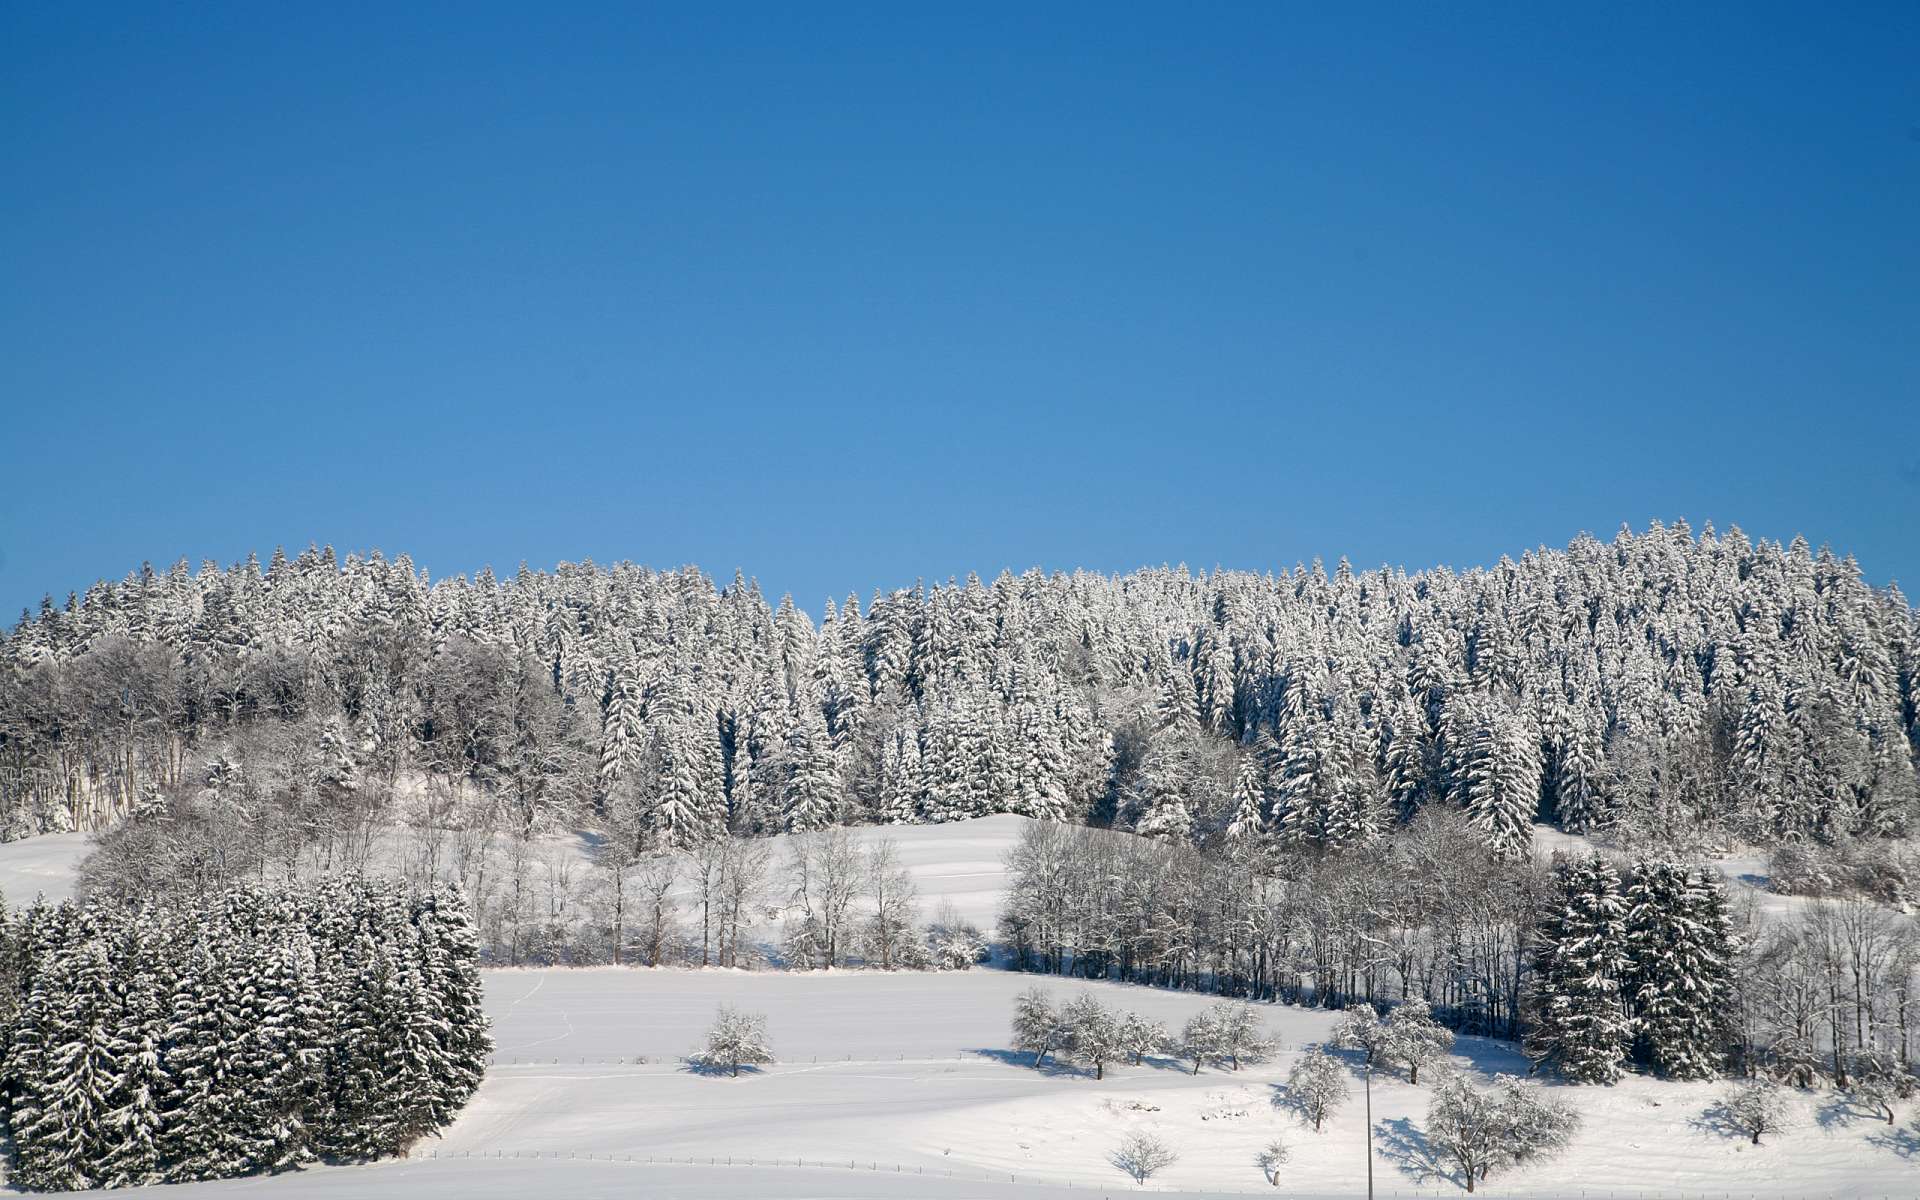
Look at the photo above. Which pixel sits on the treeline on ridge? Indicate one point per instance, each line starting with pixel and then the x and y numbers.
pixel 1665 688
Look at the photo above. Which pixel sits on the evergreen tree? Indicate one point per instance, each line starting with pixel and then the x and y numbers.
pixel 1580 974
pixel 1680 940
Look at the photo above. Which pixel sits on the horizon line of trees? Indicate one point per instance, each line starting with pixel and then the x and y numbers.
pixel 1665 689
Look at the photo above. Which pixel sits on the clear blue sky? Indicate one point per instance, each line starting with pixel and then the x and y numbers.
pixel 848 300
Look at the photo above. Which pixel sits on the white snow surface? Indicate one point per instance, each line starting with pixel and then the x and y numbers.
pixel 930 1103
pixel 44 865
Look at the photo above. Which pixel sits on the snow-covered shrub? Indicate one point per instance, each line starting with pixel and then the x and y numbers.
pixel 1316 1086
pixel 736 1039
pixel 1883 870
pixel 1886 871
pixel 1754 1108
pixel 1142 1156
pixel 1484 1131
pixel 956 946
pixel 1802 869
pixel 1272 1158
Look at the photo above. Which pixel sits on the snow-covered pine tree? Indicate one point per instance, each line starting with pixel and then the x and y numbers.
pixel 136 1118
pixel 1680 940
pixel 63 1129
pixel 1580 974
pixel 813 786
pixel 1501 781
pixel 451 968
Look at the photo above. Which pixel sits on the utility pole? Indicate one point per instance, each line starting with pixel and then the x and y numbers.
pixel 1369 1127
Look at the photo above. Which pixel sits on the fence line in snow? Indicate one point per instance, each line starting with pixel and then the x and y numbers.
pixel 984 1175
pixel 637 1060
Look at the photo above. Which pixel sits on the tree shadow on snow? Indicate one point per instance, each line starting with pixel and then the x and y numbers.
pixel 1162 1062
pixel 1838 1112
pixel 694 1066
pixel 1400 1142
pixel 1052 1068
pixel 1900 1139
pixel 1716 1120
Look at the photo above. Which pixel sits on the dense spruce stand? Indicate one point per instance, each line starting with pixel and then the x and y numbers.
pixel 254 1029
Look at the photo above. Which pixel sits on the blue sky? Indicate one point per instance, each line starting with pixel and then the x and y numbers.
pixel 846 300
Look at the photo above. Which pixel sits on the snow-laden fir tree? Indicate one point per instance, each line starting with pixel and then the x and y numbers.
pixel 1581 968
pixel 252 1030
pixel 1681 943
pixel 1499 777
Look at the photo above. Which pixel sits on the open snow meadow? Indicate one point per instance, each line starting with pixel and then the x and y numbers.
pixel 897 1084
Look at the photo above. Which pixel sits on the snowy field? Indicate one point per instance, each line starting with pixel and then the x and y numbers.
pixel 931 1103
pixel 43 865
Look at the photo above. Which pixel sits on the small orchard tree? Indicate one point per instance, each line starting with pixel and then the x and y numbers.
pixel 1483 1131
pixel 1140 1037
pixel 1415 1038
pixel 1273 1158
pixel 1036 1025
pixel 1241 1037
pixel 1142 1156
pixel 1316 1086
pixel 1201 1039
pixel 1877 1083
pixel 737 1039
pixel 1754 1108
pixel 1361 1029
pixel 1092 1033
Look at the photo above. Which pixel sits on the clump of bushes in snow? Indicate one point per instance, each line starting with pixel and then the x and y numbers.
pixel 953 944
pixel 1096 1034
pixel 1877 869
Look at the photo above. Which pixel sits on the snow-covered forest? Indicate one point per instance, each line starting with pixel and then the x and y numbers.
pixel 1666 689
pixel 255 1030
